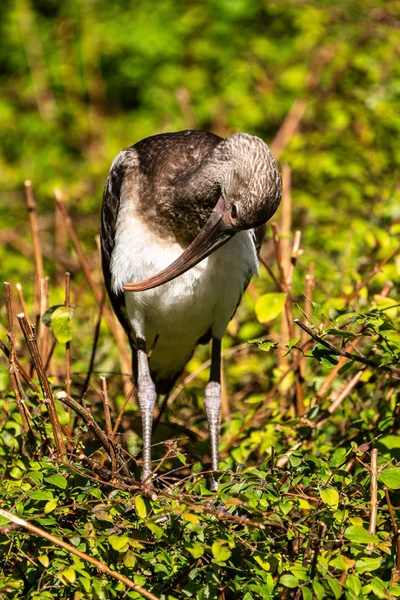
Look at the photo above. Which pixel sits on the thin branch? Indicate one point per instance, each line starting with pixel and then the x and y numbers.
pixel 30 339
pixel 342 396
pixel 37 249
pixel 340 352
pixel 107 419
pixel 85 386
pixel 12 361
pixel 21 370
pixel 107 443
pixel 67 302
pixel 102 567
pixel 374 491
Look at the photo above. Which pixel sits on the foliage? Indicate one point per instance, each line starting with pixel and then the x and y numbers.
pixel 311 359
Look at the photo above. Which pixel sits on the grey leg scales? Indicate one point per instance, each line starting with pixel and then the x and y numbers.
pixel 212 403
pixel 147 396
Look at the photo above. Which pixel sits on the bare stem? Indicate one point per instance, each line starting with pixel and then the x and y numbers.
pixel 30 339
pixel 37 248
pixel 107 418
pixel 374 494
pixel 12 361
pixel 94 345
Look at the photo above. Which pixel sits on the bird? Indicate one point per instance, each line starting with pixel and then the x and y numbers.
pixel 182 221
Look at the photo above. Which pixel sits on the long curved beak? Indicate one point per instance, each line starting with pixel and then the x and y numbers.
pixel 215 233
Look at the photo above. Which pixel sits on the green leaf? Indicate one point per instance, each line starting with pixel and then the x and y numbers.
pixel 50 506
pixel 269 306
pixel 378 587
pixel 359 535
pixel 289 581
pixel 196 549
pixel 341 333
pixel 61 324
pixel 293 342
pixel 181 457
pixel 319 590
pixel 220 551
pixel 368 564
pixel 44 559
pixel 46 317
pixel 307 593
pixel 57 480
pixel 129 559
pixel 335 587
pixel 394 590
pixel 120 543
pixel 353 584
pixel 391 478
pixel 330 497
pixel 325 356
pixel 155 529
pixel 41 495
pixel 141 506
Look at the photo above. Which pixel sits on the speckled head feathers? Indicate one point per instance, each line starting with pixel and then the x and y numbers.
pixel 251 181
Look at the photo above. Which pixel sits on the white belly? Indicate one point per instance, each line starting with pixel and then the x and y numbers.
pixel 181 311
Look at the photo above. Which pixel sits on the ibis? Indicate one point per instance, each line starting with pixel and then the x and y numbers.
pixel 182 221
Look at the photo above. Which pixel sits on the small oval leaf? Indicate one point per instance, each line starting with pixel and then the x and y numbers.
pixel 269 306
pixel 61 323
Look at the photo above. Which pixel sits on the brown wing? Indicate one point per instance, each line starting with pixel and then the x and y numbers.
pixel 126 162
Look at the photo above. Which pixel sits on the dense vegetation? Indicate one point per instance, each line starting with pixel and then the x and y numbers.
pixel 310 474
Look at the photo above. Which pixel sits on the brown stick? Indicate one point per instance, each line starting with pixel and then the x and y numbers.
pixel 30 339
pixel 286 276
pixel 374 491
pixel 68 344
pixel 107 418
pixel 107 443
pixel 102 567
pixel 22 300
pixel 12 361
pixel 21 370
pixel 85 386
pixel 115 329
pixel 44 332
pixel 37 249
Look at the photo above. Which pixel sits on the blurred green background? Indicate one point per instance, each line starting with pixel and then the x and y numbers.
pixel 81 79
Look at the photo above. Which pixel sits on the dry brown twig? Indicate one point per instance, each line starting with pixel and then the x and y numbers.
pixel 102 567
pixel 37 248
pixel 374 495
pixel 107 419
pixel 30 339
pixel 286 262
pixel 12 362
pixel 21 370
pixel 106 441
pixel 96 335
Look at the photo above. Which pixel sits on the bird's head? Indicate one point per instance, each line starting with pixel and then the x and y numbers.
pixel 250 192
pixel 251 186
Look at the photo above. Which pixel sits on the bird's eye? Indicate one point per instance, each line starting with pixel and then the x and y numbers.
pixel 234 211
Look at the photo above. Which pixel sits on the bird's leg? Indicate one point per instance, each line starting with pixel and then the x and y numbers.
pixel 212 403
pixel 147 397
